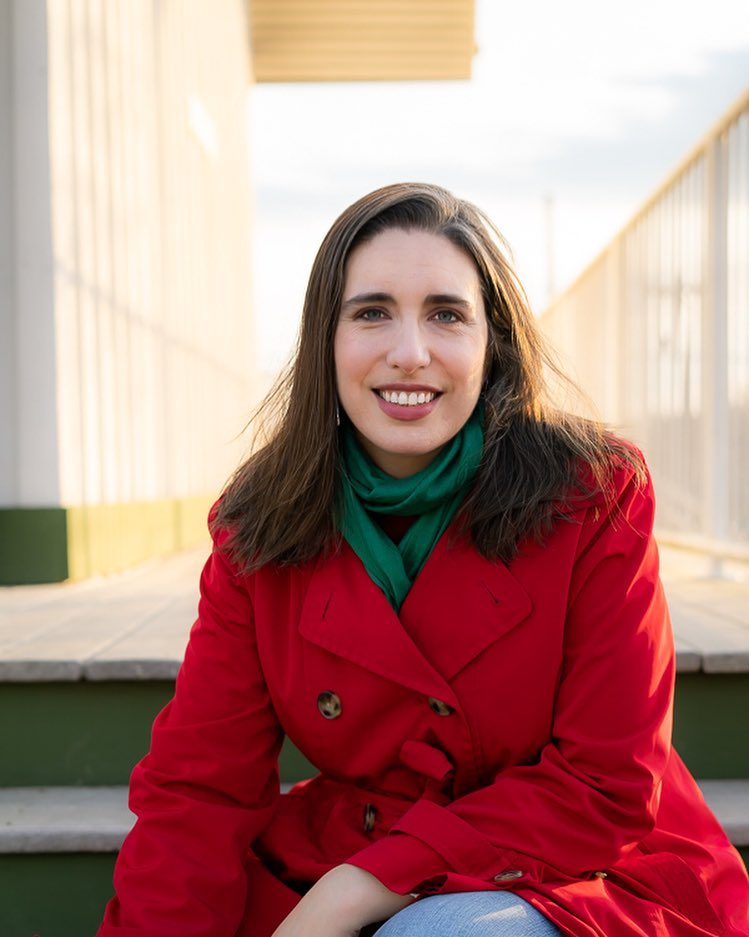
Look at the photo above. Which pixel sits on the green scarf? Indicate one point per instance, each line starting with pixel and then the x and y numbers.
pixel 434 493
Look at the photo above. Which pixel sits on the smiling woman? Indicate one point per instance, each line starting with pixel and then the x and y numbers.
pixel 360 288
pixel 444 590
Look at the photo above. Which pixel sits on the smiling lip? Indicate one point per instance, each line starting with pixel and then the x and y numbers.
pixel 406 401
pixel 406 397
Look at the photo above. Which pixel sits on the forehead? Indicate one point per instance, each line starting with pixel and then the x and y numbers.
pixel 401 257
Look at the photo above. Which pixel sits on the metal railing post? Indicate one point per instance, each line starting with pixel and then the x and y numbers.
pixel 715 354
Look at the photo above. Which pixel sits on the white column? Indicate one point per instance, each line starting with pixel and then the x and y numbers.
pixel 35 386
pixel 7 272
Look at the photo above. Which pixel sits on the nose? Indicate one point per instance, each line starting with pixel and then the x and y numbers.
pixel 409 350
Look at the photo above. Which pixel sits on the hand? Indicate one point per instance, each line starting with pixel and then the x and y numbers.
pixel 340 904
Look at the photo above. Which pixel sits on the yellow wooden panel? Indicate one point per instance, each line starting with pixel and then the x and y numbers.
pixel 106 538
pixel 361 40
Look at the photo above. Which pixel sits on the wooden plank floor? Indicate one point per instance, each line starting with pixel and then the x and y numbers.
pixel 134 625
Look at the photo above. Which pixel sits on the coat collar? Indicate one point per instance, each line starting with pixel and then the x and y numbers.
pixel 459 605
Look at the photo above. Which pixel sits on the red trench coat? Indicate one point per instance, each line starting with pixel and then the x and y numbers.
pixel 510 729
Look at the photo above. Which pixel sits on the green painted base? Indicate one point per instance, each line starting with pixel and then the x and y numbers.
pixel 33 545
pixel 59 895
pixel 52 544
pixel 76 733
pixel 293 765
pixel 93 733
pixel 711 729
pixel 88 733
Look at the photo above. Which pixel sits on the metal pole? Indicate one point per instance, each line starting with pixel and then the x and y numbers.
pixel 715 354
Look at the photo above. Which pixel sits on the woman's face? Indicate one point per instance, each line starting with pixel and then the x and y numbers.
pixel 409 346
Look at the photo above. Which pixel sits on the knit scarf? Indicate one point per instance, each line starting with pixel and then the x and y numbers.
pixel 434 494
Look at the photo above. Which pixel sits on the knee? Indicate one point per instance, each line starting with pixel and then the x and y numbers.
pixel 469 914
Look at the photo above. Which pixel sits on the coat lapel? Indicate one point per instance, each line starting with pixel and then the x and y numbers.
pixel 459 605
pixel 345 613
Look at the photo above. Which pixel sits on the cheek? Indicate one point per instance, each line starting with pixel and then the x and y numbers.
pixel 473 366
pixel 350 359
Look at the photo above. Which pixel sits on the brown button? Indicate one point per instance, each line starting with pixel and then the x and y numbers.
pixel 329 704
pixel 509 876
pixel 369 817
pixel 437 706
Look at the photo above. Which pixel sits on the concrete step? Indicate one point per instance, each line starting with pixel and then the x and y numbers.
pixel 58 849
pixel 85 667
pixel 131 626
pixel 96 819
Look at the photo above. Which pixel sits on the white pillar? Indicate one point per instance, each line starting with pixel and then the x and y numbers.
pixel 7 271
pixel 36 482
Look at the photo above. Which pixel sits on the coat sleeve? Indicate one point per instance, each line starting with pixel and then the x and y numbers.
pixel 593 793
pixel 209 784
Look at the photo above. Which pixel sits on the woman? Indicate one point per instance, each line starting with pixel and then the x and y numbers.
pixel 446 593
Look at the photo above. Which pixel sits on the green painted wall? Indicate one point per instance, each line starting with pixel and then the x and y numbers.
pixel 76 733
pixel 711 724
pixel 93 733
pixel 53 544
pixel 33 545
pixel 54 895
pixel 87 733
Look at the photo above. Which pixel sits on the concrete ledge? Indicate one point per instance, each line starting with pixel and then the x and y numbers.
pixel 729 801
pixel 688 659
pixel 97 819
pixel 135 625
pixel 63 819
pixel 711 627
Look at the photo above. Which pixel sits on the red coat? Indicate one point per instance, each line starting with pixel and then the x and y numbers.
pixel 510 730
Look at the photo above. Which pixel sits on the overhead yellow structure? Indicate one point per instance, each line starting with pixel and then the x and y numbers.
pixel 361 40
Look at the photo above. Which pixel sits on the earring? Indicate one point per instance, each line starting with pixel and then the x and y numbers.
pixel 337 414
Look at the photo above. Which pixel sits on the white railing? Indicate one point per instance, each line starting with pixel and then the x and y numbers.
pixel 656 331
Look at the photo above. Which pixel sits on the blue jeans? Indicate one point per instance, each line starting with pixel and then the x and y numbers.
pixel 469 914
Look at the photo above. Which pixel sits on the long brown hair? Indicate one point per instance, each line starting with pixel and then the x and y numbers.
pixel 280 504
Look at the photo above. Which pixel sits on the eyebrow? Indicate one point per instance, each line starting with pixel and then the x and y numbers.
pixel 368 298
pixel 433 299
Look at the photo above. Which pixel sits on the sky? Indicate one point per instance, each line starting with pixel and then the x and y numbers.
pixel 574 115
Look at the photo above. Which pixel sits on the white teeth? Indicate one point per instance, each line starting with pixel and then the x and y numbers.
pixel 404 399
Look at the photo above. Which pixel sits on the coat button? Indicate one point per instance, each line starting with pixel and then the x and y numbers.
pixel 369 817
pixel 437 706
pixel 600 875
pixel 509 876
pixel 329 704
